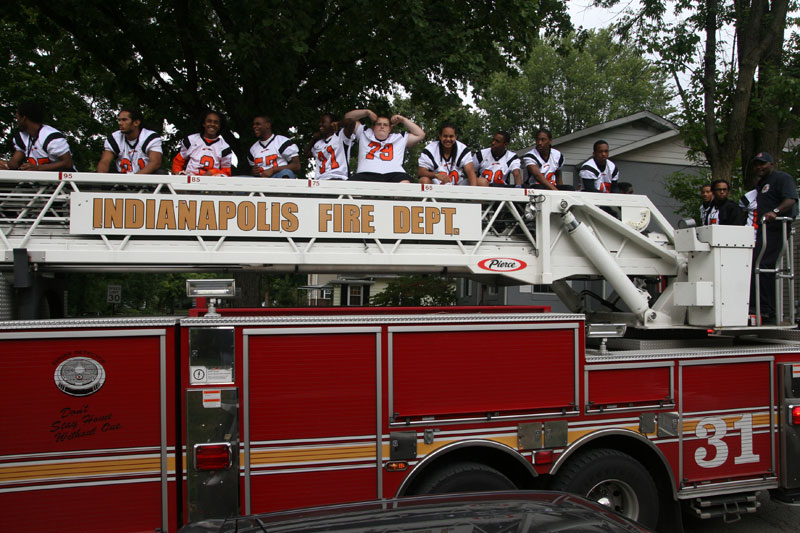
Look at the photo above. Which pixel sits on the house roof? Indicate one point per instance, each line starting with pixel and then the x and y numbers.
pixel 660 123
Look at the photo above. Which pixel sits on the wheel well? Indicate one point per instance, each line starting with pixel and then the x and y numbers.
pixel 509 463
pixel 639 450
pixel 653 461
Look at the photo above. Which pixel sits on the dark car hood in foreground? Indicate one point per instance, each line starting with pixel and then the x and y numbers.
pixel 494 512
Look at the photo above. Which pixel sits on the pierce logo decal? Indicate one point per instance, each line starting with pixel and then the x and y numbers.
pixel 502 264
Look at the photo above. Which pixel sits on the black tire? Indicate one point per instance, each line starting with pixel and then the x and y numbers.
pixel 614 479
pixel 464 477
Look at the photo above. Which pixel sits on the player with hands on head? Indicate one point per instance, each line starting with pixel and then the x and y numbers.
pixel 329 147
pixel 447 161
pixel 497 164
pixel 380 151
pixel 206 152
pixel 133 148
pixel 272 155
pixel 37 146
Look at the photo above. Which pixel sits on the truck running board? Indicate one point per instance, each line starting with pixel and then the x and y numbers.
pixel 729 506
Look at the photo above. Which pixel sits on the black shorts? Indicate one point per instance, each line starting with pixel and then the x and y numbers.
pixel 391 177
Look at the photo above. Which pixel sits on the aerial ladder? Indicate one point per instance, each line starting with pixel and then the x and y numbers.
pixel 51 222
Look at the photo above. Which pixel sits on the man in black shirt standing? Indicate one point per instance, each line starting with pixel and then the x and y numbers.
pixel 728 213
pixel 777 197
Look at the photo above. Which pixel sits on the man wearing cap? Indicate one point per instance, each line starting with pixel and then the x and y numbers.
pixel 776 197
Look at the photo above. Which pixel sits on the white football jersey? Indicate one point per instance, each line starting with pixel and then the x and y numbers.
pixel 602 178
pixel 547 168
pixel 133 156
pixel 709 214
pixel 48 145
pixel 380 157
pixel 275 151
pixel 496 171
pixel 331 155
pixel 201 156
pixel 432 159
pixel 748 203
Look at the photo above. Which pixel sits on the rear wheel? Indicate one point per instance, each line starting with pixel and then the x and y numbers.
pixel 613 479
pixel 465 477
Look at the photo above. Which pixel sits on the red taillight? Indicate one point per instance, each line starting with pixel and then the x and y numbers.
pixel 794 415
pixel 212 457
pixel 542 457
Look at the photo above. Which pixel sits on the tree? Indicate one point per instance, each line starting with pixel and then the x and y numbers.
pixel 571 83
pixel 742 95
pixel 291 60
pixel 415 291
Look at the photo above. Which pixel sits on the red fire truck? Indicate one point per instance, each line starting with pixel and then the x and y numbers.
pixel 671 400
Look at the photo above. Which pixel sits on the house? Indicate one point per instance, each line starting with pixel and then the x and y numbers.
pixel 645 147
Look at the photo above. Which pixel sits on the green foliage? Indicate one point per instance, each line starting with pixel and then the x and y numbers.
pixel 685 188
pixel 291 60
pixel 417 290
pixel 144 293
pixel 571 83
pixel 742 94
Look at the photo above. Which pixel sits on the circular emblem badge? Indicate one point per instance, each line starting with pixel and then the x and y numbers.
pixel 80 376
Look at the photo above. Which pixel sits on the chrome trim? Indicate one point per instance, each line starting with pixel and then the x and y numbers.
pixel 83 334
pixel 728 487
pixel 305 320
pixel 164 450
pixel 378 413
pixel 699 362
pixel 501 418
pixel 576 446
pixel 420 467
pixel 659 355
pixel 627 366
pixel 248 332
pixel 576 386
pixel 391 330
pixel 66 323
pixel 245 444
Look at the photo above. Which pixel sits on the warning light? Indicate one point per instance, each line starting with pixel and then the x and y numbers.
pixel 212 456
pixel 396 466
pixel 794 414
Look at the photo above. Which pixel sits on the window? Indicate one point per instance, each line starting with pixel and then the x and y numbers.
pixel 354 295
pixel 467 287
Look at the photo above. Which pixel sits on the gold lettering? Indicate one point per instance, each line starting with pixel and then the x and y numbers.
pixel 227 211
pixel 150 214
pixel 288 211
pixel 134 213
pixel 417 219
pixel 324 216
pixel 350 218
pixel 367 219
pixel 276 216
pixel 246 216
pixel 187 214
pixel 97 213
pixel 261 217
pixel 402 220
pixel 448 213
pixel 166 215
pixel 112 213
pixel 208 216
pixel 432 217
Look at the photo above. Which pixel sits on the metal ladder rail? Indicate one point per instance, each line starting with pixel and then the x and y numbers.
pixel 784 270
